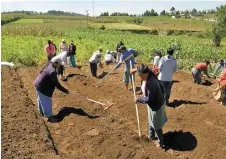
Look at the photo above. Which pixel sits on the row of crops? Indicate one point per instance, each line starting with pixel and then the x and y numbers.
pixel 24 44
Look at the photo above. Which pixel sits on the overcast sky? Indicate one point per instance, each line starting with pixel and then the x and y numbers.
pixel 131 7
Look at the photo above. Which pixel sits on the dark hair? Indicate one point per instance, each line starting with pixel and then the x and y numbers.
pixel 221 61
pixel 170 51
pixel 49 42
pixel 207 62
pixel 143 68
pixel 159 53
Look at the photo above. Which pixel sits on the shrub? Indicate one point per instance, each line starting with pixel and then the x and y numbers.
pixel 154 32
pixel 102 27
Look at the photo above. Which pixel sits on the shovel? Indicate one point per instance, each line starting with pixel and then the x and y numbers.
pixel 105 106
pixel 105 76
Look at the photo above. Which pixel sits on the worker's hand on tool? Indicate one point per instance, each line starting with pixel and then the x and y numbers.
pixel 67 92
pixel 101 65
pixel 135 99
pixel 133 71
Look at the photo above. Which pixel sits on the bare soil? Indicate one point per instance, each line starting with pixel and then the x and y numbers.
pixel 196 124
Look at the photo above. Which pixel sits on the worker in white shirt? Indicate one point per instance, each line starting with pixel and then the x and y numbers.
pixel 167 66
pixel 108 58
pixel 94 60
pixel 156 62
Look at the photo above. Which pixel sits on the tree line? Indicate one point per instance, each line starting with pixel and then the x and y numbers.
pixel 52 12
pixel 172 12
pixel 9 20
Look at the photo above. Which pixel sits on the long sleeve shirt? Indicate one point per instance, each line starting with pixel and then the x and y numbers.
pixel 153 93
pixel 96 57
pixel 127 56
pixel 47 81
pixel 60 58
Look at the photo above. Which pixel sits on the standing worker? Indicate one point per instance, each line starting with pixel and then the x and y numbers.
pixel 221 64
pixel 117 50
pixel 196 71
pixel 94 60
pixel 54 46
pixel 45 85
pixel 63 46
pixel 153 96
pixel 50 50
pixel 156 62
pixel 72 53
pixel 167 66
pixel 126 56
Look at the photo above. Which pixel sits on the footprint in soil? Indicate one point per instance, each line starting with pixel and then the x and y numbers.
pixel 180 141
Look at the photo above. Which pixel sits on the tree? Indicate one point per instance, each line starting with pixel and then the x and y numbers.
pixel 194 11
pixel 163 13
pixel 153 13
pixel 150 13
pixel 178 12
pixel 219 28
pixel 104 14
pixel 203 12
pixel 172 10
pixel 186 12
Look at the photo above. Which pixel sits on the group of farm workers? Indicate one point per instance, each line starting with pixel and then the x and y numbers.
pixel 203 67
pixel 156 82
pixel 65 52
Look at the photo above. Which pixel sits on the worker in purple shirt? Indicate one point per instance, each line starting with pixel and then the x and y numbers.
pixel 126 56
pixel 153 96
pixel 45 85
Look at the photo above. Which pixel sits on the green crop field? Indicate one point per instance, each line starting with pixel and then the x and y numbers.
pixel 29 21
pixel 23 43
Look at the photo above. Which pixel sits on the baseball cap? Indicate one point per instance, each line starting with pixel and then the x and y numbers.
pixel 122 47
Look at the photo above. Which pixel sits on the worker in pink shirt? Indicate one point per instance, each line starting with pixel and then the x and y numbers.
pixel 50 50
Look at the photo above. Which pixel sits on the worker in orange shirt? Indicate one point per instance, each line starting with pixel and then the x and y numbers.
pixel 196 71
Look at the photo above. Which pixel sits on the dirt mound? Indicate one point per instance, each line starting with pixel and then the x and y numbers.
pixel 195 128
pixel 24 134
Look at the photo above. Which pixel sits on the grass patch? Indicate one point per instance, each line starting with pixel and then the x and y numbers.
pixel 30 21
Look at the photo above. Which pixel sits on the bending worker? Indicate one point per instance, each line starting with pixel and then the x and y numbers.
pixel 126 56
pixel 196 71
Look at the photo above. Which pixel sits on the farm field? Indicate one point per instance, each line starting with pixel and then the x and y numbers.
pixel 195 127
pixel 27 41
pixel 196 124
pixel 29 21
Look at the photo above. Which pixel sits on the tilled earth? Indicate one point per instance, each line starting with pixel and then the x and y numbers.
pixel 196 124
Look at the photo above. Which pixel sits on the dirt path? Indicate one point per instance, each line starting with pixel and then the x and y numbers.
pixel 195 129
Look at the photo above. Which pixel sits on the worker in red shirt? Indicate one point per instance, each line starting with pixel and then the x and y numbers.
pixel 196 71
